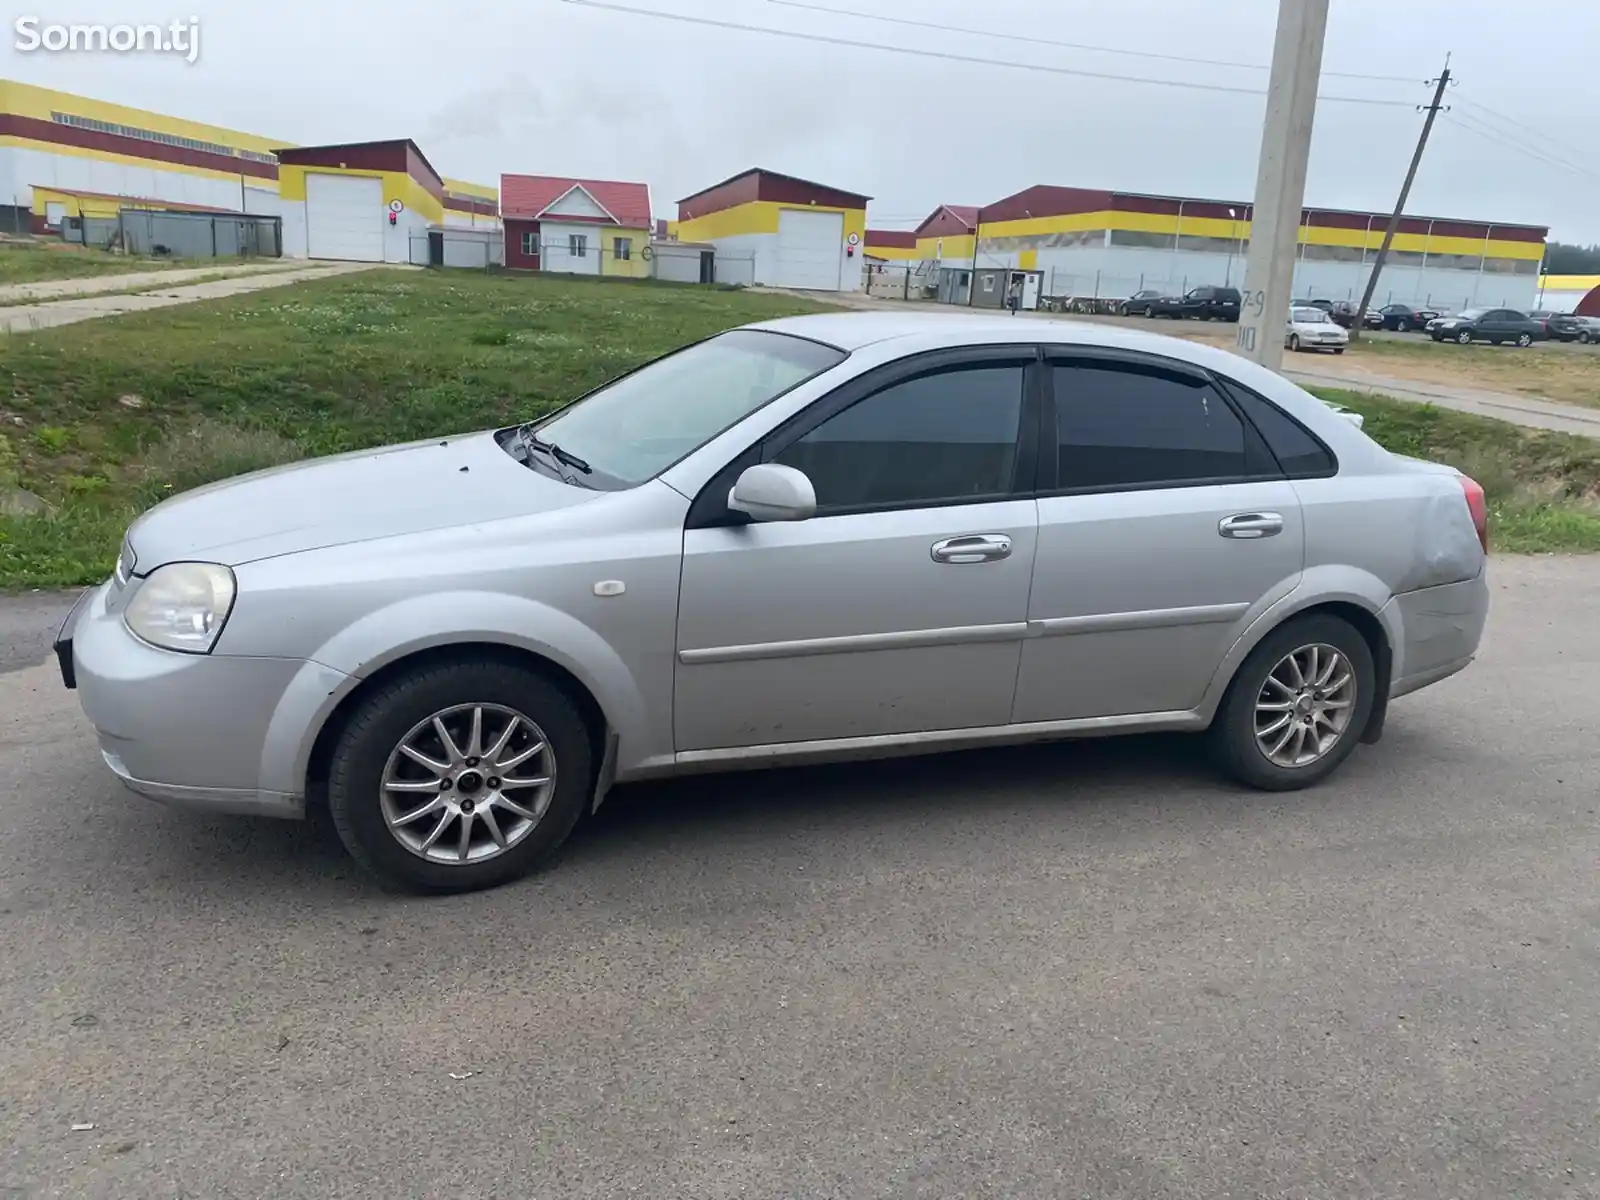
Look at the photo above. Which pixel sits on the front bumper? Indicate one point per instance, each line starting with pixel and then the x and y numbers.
pixel 208 731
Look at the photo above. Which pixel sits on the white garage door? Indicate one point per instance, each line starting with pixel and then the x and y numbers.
pixel 810 245
pixel 344 217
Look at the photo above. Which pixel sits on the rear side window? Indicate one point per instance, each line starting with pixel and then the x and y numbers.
pixel 1299 454
pixel 1125 426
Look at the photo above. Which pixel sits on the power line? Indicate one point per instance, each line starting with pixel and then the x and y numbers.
pixel 1042 41
pixel 1497 137
pixel 973 60
pixel 1561 148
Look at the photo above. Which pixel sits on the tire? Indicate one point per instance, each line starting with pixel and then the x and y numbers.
pixel 1294 342
pixel 369 747
pixel 1524 339
pixel 1338 349
pixel 1149 311
pixel 1583 338
pixel 1464 338
pixel 1234 729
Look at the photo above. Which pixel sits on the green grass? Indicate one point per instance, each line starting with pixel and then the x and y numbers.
pixel 44 261
pixel 1543 488
pixel 104 418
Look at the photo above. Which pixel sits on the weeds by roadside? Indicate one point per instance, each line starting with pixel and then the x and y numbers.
pixel 1543 488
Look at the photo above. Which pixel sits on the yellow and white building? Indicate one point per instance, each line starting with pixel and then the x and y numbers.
pixel 778 230
pixel 65 156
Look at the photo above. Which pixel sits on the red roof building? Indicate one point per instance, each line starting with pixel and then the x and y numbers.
pixel 576 226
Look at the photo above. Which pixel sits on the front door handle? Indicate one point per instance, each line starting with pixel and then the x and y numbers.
pixel 1251 525
pixel 973 548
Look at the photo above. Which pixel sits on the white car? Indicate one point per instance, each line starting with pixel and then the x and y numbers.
pixel 1313 329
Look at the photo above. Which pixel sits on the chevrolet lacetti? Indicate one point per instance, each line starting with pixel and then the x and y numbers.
pixel 816 538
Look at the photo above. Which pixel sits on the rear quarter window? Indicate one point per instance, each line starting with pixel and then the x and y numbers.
pixel 1297 449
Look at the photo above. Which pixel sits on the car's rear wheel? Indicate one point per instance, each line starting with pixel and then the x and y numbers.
pixel 1297 706
pixel 1524 339
pixel 461 775
pixel 1149 310
pixel 1464 337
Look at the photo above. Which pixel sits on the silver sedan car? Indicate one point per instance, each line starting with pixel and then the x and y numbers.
pixel 809 539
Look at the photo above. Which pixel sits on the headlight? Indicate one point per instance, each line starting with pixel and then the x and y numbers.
pixel 182 606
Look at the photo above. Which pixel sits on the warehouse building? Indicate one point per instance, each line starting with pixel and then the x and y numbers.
pixel 68 161
pixel 1088 242
pixel 778 230
pixel 946 236
pixel 358 202
pixel 67 146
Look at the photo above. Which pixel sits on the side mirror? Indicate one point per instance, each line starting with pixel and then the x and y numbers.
pixel 770 492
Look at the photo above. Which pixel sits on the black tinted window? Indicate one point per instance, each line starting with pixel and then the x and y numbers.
pixel 1121 427
pixel 1298 453
pixel 937 437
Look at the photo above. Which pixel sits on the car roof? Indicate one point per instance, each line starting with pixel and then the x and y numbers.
pixel 854 330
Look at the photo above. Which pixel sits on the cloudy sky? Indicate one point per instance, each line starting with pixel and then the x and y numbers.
pixel 553 86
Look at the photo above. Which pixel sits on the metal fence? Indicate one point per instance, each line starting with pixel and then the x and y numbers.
pixel 485 249
pixel 186 235
pixel 456 246
pixel 1103 291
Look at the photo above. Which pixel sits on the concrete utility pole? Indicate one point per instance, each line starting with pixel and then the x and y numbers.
pixel 1400 205
pixel 1281 179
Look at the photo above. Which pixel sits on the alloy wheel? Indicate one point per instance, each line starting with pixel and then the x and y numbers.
pixel 1303 709
pixel 468 783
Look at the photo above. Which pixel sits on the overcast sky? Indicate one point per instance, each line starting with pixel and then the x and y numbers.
pixel 546 86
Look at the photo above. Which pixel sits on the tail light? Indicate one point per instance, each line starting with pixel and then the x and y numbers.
pixel 1478 506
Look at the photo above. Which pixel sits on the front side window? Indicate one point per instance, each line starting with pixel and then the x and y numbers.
pixel 578 245
pixel 937 438
pixel 636 427
pixel 1128 426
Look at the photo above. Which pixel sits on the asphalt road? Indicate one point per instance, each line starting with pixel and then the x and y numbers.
pixel 1089 970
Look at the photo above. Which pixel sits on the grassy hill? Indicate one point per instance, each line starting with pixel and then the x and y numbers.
pixel 106 417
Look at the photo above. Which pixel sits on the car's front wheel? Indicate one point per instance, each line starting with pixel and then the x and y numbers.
pixel 1464 337
pixel 461 775
pixel 1297 706
pixel 1294 342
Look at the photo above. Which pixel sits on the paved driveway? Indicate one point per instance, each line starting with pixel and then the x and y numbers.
pixel 1073 971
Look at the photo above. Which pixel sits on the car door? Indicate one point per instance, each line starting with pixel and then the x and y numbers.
pixel 901 605
pixel 1165 527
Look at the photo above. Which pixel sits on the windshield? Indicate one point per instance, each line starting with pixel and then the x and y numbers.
pixel 635 428
pixel 1309 316
pixel 1471 314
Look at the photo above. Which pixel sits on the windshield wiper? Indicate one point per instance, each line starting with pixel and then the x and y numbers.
pixel 557 454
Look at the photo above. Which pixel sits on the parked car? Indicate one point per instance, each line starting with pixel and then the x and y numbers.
pixel 1313 329
pixel 1343 313
pixel 1494 325
pixel 1568 327
pixel 1211 303
pixel 1401 317
pixel 1142 303
pixel 815 538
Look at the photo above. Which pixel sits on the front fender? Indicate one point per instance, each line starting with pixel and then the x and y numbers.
pixel 1318 585
pixel 406 627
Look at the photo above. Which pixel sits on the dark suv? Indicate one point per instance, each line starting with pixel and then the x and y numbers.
pixel 1211 303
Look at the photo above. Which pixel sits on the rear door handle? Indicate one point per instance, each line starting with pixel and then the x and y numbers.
pixel 973 548
pixel 1251 525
